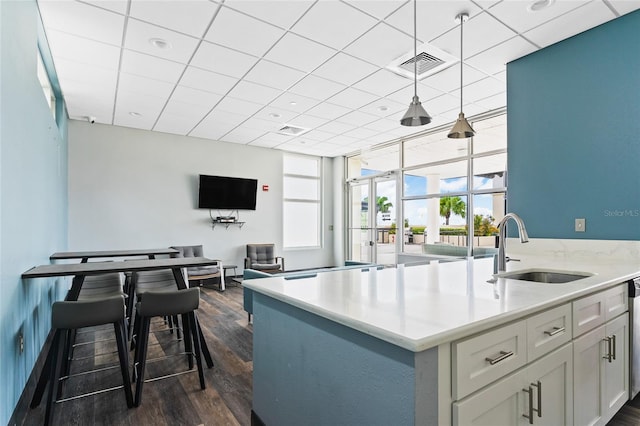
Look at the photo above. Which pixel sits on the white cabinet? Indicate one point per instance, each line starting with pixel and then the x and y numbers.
pixel 601 382
pixel 539 394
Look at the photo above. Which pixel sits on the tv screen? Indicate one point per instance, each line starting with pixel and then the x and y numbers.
pixel 227 193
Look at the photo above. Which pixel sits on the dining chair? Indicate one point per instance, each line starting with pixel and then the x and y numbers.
pixel 200 274
pixel 167 303
pixel 68 316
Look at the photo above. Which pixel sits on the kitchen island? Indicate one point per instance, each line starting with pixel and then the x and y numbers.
pixel 382 346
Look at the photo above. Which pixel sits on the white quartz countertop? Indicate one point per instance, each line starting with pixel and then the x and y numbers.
pixel 418 307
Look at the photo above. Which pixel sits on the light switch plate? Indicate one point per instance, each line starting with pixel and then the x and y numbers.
pixel 580 225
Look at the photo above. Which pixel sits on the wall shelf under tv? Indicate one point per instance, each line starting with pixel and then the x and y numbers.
pixel 229 220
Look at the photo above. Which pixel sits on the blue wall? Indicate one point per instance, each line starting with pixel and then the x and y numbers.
pixel 33 198
pixel 574 134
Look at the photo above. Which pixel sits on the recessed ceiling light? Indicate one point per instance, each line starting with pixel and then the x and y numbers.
pixel 293 103
pixel 274 115
pixel 135 114
pixel 539 5
pixel 383 108
pixel 160 43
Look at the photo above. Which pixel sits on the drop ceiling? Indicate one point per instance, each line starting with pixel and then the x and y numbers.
pixel 238 71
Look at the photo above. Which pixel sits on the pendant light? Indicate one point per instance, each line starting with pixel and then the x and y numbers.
pixel 415 115
pixel 461 129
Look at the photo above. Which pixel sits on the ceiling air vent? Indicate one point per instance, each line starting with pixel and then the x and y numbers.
pixel 292 130
pixel 430 60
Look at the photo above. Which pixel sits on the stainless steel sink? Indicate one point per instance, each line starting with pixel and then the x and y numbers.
pixel 544 276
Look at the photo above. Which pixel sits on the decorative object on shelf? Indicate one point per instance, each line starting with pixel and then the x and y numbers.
pixel 461 129
pixel 415 115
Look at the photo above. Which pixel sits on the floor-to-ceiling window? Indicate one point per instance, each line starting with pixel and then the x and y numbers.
pixel 450 191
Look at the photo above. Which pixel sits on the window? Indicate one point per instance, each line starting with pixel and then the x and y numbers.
pixel 302 196
pixel 45 83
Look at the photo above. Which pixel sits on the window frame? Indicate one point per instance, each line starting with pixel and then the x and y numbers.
pixel 318 201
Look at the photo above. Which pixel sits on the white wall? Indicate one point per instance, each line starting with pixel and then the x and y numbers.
pixel 132 188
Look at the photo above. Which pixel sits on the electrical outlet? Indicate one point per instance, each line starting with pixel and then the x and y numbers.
pixel 580 225
pixel 21 342
pixel 330 227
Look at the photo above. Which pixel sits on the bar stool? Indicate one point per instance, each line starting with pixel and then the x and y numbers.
pixel 69 316
pixel 164 303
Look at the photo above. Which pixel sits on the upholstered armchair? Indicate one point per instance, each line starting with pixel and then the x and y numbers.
pixel 200 273
pixel 261 257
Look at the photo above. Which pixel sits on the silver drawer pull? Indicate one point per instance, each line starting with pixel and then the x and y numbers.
pixel 538 385
pixel 613 345
pixel 530 415
pixel 555 331
pixel 608 355
pixel 503 355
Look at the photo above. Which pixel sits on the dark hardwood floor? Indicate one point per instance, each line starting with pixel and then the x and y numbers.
pixel 179 400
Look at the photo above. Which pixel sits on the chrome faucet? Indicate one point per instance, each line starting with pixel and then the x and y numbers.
pixel 502 259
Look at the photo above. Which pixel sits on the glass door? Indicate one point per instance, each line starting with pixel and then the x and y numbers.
pixel 372 225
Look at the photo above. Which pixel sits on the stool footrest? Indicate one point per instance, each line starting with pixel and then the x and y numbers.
pixel 84 395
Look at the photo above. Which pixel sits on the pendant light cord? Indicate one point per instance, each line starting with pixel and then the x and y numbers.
pixel 461 60
pixel 415 49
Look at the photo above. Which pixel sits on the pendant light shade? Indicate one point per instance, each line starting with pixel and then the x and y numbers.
pixel 415 115
pixel 461 129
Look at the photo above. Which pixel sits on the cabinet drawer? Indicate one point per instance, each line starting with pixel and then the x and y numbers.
pixel 592 311
pixel 548 330
pixel 480 360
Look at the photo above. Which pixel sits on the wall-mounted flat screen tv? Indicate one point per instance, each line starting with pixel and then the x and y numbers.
pixel 227 193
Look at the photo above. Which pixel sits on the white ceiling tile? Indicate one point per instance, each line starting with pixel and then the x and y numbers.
pixel 384 124
pixel 222 60
pixel 361 133
pixel 357 118
pixel 352 98
pixel 241 32
pixel 307 121
pixel 144 86
pixel 379 138
pixel 440 104
pixel 150 66
pixel 197 78
pixel 381 45
pixel 177 108
pixel 260 124
pixel 449 79
pixel 328 111
pixel 341 140
pixel 495 59
pixel 270 140
pixel 125 120
pixel 238 106
pixel 284 15
pixel 316 87
pixel 405 96
pixel 147 106
pixel 139 37
pixel 569 24
pixel 434 17
pixel 299 52
pixel 176 124
pixel 79 108
pixel 292 102
pixel 377 8
pixel 88 21
pixel 481 32
pixel 191 96
pixel 189 17
pixel 216 124
pixel 385 107
pixel 254 92
pixel 70 72
pixel 336 127
pixel 383 83
pixel 278 115
pixel 502 76
pixel 242 135
pixel 274 75
pixel 625 6
pixel 346 23
pixel 345 69
pixel 480 89
pixel 495 101
pixel 517 15
pixel 82 50
pixel 318 135
pixel 118 6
